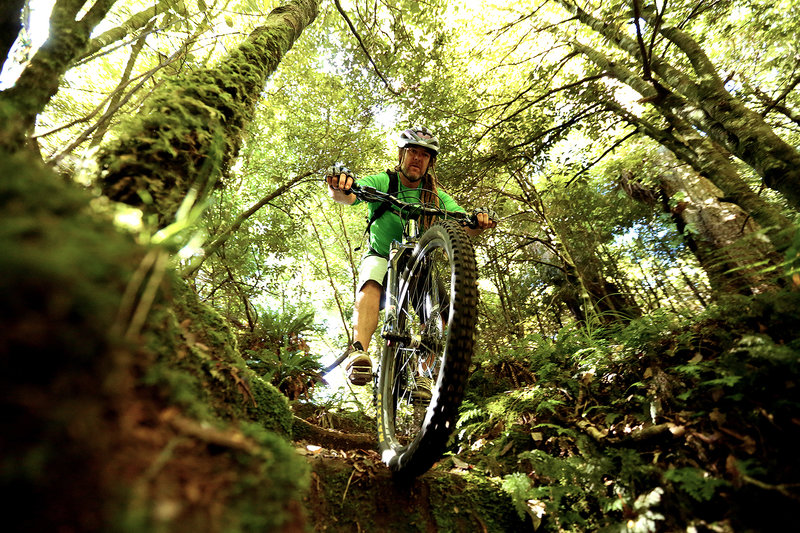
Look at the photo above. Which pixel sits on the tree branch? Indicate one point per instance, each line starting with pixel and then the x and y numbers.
pixel 211 248
pixel 608 151
pixel 364 48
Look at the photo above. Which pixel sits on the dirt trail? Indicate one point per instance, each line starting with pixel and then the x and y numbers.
pixel 352 490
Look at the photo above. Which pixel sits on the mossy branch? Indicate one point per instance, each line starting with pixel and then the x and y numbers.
pixel 162 150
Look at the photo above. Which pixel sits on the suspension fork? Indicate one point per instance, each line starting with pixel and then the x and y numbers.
pixel 398 256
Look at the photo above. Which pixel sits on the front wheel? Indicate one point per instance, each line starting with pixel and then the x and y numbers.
pixel 425 361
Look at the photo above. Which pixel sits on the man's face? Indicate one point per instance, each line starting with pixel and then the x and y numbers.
pixel 415 162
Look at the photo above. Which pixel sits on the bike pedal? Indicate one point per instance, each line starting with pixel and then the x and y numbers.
pixel 360 375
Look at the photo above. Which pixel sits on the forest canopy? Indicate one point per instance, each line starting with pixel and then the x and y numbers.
pixel 162 200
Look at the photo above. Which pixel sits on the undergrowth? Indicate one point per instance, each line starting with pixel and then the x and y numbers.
pixel 667 423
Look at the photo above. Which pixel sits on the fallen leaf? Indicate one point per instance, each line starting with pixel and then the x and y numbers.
pixel 460 464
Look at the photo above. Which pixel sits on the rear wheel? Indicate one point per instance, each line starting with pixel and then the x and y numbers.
pixel 424 366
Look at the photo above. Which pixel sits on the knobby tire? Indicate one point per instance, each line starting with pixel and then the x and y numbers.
pixel 437 299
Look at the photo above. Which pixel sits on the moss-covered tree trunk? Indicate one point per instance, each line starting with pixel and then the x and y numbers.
pixel 37 84
pixel 724 239
pixel 700 152
pixel 188 132
pixel 126 404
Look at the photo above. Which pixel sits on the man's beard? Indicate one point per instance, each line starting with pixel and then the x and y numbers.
pixel 412 180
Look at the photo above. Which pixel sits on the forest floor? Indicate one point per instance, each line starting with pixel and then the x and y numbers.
pixel 667 424
pixel 352 490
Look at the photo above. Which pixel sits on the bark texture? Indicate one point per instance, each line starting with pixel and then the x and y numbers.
pixel 701 153
pixel 725 240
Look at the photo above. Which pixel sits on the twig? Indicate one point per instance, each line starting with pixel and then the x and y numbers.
pixel 214 245
pixel 364 48
pixel 228 439
pixel 348 481
pixel 782 488
pixel 593 163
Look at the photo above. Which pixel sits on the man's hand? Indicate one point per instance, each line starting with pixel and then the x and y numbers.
pixel 486 218
pixel 340 178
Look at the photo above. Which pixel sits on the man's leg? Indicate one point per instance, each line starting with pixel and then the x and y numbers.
pixel 366 312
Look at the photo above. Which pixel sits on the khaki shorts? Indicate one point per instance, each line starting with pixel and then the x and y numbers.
pixel 373 267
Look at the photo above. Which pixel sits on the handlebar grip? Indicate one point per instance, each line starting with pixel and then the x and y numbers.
pixel 354 187
pixel 470 221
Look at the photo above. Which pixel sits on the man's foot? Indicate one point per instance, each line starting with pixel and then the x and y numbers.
pixel 359 366
pixel 422 389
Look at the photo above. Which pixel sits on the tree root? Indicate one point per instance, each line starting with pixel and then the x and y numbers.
pixel 329 438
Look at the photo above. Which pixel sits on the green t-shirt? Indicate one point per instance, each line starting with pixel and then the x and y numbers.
pixel 389 227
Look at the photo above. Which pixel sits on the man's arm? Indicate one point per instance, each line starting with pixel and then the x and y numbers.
pixel 486 218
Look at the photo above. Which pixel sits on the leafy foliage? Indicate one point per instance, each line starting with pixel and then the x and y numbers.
pixel 278 352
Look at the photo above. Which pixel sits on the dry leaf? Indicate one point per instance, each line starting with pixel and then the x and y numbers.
pixel 460 464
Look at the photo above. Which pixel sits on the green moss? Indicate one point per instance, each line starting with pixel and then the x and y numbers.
pixel 62 272
pixel 188 132
pixel 68 383
pixel 199 368
pixel 270 408
pixel 59 273
pixel 473 503
pixel 276 476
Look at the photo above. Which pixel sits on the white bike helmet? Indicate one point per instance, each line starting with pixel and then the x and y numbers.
pixel 419 136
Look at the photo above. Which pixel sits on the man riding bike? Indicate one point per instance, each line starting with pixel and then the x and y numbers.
pixel 413 180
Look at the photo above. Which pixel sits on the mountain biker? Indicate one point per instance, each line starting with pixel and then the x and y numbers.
pixel 415 181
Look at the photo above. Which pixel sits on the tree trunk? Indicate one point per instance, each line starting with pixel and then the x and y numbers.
pixel 708 106
pixel 189 131
pixel 698 151
pixel 722 236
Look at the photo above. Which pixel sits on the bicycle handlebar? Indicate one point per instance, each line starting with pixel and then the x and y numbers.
pixel 371 194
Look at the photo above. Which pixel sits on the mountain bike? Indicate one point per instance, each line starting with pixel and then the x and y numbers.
pixel 430 315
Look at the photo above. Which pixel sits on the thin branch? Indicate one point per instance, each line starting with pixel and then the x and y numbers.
pixel 557 128
pixel 364 48
pixel 331 278
pixel 593 163
pixel 143 77
pixel 637 14
pixel 220 240
pixel 775 103
pixel 537 100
